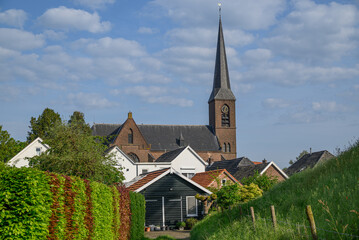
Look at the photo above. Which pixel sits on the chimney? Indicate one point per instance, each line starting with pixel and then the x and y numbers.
pixel 209 161
pixel 264 161
pixel 310 150
pixel 129 115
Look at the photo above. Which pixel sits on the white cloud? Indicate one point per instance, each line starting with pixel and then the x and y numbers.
pixel 273 103
pixel 89 100
pixel 156 94
pixel 328 106
pixel 112 47
pixel 13 17
pixel 94 4
pixel 245 14
pixel 293 73
pixel 146 30
pixel 64 18
pixel 207 37
pixel 19 40
pixel 53 35
pixel 182 102
pixel 315 32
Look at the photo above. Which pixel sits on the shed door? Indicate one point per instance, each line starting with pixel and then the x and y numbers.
pixel 173 211
pixel 153 212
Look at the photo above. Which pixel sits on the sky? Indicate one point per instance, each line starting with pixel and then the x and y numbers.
pixel 293 67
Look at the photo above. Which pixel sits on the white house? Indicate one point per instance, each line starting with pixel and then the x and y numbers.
pixel 35 148
pixel 131 169
pixel 184 160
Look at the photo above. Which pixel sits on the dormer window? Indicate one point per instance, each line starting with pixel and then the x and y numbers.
pixel 38 151
pixel 225 116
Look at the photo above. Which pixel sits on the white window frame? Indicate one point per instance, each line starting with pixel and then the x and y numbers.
pixel 195 200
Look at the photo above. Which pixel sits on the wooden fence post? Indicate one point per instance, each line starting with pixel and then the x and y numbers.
pixel 274 218
pixel 312 222
pixel 253 218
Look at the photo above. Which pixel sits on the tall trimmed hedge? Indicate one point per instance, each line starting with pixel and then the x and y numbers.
pixel 138 212
pixel 42 205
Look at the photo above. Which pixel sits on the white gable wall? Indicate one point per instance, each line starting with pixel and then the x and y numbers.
pixel 188 161
pixel 125 163
pixel 19 160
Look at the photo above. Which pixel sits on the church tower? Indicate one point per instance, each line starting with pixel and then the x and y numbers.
pixel 222 112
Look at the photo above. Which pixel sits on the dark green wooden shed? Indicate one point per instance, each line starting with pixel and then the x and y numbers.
pixel 170 197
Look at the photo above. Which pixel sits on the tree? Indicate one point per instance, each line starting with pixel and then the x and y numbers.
pixel 74 152
pixel 291 162
pixel 263 181
pixel 9 147
pixel 250 192
pixel 40 126
pixel 78 119
pixel 207 201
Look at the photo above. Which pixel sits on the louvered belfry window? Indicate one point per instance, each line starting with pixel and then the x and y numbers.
pixel 130 136
pixel 225 116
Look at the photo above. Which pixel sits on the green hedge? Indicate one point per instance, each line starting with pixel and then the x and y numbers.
pixel 25 201
pixel 42 205
pixel 138 212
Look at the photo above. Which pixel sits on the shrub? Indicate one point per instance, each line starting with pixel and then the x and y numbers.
pixel 264 182
pixel 249 192
pixel 180 224
pixel 228 195
pixel 138 212
pixel 125 213
pixel 190 222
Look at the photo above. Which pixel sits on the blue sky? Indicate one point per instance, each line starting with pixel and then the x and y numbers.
pixel 293 66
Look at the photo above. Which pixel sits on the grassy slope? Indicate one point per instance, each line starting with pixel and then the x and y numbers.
pixel 335 182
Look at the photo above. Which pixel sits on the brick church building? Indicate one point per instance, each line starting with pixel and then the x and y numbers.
pixel 145 143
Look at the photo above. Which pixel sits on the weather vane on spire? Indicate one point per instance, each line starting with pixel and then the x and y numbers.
pixel 219 6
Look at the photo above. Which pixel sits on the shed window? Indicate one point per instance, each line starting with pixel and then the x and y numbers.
pixel 191 206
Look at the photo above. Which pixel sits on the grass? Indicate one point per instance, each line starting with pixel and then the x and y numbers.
pixel 330 188
pixel 160 238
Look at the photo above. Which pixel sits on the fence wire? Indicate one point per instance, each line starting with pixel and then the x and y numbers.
pixel 303 226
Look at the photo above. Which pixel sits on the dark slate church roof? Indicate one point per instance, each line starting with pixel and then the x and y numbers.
pixel 105 129
pixel 309 160
pixel 231 165
pixel 167 137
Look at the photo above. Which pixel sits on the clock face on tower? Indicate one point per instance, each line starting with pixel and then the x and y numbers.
pixel 225 109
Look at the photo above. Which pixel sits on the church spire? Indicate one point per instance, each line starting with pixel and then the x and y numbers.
pixel 221 84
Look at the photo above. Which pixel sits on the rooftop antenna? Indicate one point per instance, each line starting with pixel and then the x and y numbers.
pixel 220 10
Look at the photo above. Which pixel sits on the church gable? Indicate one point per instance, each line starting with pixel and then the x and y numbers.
pixel 130 134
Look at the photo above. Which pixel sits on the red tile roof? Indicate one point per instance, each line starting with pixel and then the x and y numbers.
pixel 205 179
pixel 146 178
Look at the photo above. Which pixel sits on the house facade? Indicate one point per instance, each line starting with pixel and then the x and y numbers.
pixel 243 167
pixel 309 160
pixel 217 140
pixel 215 179
pixel 184 160
pixel 169 196
pixel 35 148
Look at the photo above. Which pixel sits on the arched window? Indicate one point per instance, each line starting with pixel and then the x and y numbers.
pixel 130 136
pixel 224 149
pixel 229 147
pixel 133 157
pixel 225 116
